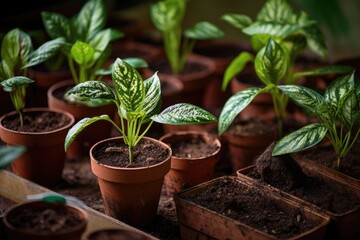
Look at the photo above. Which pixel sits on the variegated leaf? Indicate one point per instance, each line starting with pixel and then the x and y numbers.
pixel 315 40
pixel 167 14
pixel 295 43
pixel 45 51
pixel 259 41
pixel 234 105
pixel 56 25
pixel 81 125
pixel 9 154
pixel 184 113
pixel 135 62
pixel 152 103
pixel 300 139
pixel 91 18
pixel 275 11
pixel 204 30
pixel 337 69
pixel 89 91
pixel 235 67
pixel 15 82
pixel 239 21
pixel 338 89
pixel 100 42
pixel 348 108
pixel 129 86
pixel 82 53
pixel 271 62
pixel 304 97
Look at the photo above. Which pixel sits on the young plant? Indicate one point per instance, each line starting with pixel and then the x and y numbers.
pixel 338 111
pixel 17 55
pixel 167 16
pixel 9 154
pixel 138 102
pixel 88 42
pixel 278 36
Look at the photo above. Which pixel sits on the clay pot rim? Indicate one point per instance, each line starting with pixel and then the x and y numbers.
pixel 116 230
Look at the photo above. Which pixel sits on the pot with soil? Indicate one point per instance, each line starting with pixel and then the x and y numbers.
pixel 43 134
pixel 40 220
pixel 194 156
pixel 230 208
pixel 118 234
pixel 310 187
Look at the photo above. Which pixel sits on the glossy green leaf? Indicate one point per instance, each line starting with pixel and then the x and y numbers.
pixel 129 86
pixel 301 139
pixel 167 14
pixel 45 51
pixel 5 70
pixel 89 91
pixel 152 103
pixel 56 25
pixel 135 62
pixel 204 30
pixel 16 81
pixel 275 11
pixel 339 89
pixel 82 53
pixel 235 67
pixel 9 154
pixel 234 105
pixel 259 41
pixel 81 125
pixel 271 63
pixel 184 113
pixel 337 69
pixel 348 109
pixel 239 21
pixel 100 42
pixel 295 43
pixel 91 18
pixel 315 40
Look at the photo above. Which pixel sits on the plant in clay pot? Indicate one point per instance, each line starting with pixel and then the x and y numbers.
pixel 338 114
pixel 294 33
pixel 167 16
pixel 40 130
pixel 132 162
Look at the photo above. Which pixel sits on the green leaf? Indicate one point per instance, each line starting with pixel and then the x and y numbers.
pixel 184 113
pixel 82 53
pixel 301 139
pixel 259 41
pixel 235 67
pixel 167 14
pixel 204 30
pixel 101 41
pixel 275 11
pixel 15 82
pixel 9 154
pixel 348 109
pixel 129 86
pixel 5 71
pixel 234 105
pixel 315 40
pixel 337 69
pixel 56 25
pixel 338 90
pixel 271 62
pixel 239 21
pixel 45 51
pixel 90 91
pixel 135 62
pixel 152 103
pixel 91 18
pixel 81 125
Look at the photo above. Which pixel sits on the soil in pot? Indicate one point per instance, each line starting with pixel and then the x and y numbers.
pixel 116 234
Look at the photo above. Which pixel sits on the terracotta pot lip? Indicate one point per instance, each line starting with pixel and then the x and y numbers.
pixel 203 134
pixel 116 230
pixel 133 168
pixel 83 214
pixel 39 109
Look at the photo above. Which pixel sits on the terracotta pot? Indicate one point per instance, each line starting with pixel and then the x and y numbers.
pixel 131 194
pixel 186 172
pixel 342 225
pixel 72 233
pixel 83 142
pixel 197 221
pixel 118 234
pixel 222 52
pixel 252 138
pixel 44 159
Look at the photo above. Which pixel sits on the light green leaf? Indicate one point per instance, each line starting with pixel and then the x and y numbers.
pixel 234 105
pixel 45 51
pixel 5 71
pixel 15 82
pixel 91 18
pixel 259 41
pixel 135 62
pixel 337 69
pixel 338 90
pixel 184 113
pixel 129 86
pixel 239 21
pixel 271 63
pixel 9 154
pixel 56 25
pixel 348 109
pixel 315 40
pixel 167 14
pixel 275 11
pixel 235 67
pixel 301 139
pixel 82 53
pixel 81 125
pixel 204 30
pixel 152 103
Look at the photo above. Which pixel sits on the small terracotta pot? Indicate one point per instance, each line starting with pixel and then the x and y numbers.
pixel 89 136
pixel 118 234
pixel 73 233
pixel 131 194
pixel 187 172
pixel 44 159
